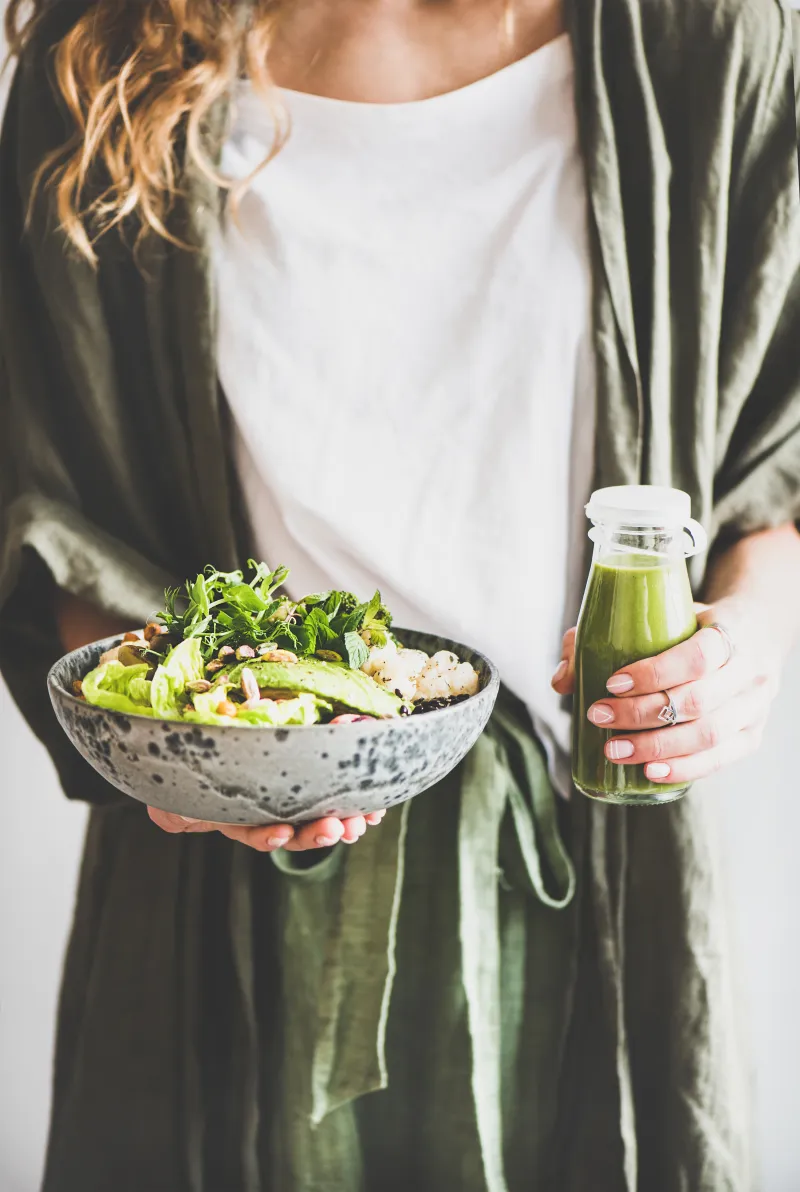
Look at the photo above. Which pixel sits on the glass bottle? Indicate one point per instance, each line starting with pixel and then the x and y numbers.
pixel 638 602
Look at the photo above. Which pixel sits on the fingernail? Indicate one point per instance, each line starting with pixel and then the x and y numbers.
pixel 276 841
pixel 187 820
pixel 323 841
pixel 561 670
pixel 601 714
pixel 619 683
pixel 657 770
pixel 617 750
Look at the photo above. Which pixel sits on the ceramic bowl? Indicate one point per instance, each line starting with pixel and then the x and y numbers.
pixel 262 775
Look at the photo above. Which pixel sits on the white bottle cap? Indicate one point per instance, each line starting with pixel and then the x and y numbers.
pixel 641 505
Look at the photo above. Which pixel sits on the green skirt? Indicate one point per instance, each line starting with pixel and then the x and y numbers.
pixel 439 1007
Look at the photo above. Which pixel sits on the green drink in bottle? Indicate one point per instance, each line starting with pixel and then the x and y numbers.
pixel 638 602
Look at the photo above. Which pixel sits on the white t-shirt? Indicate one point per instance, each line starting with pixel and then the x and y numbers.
pixel 404 342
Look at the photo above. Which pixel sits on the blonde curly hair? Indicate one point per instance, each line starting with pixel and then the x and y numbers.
pixel 139 81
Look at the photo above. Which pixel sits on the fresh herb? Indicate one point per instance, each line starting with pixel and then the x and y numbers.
pixel 247 609
pixel 356 649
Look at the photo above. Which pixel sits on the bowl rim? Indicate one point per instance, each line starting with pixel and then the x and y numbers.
pixel 490 688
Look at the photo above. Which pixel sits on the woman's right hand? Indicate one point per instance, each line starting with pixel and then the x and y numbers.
pixel 267 838
pixel 80 623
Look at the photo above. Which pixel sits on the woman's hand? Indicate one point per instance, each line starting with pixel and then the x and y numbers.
pixel 722 704
pixel 319 834
pixel 80 623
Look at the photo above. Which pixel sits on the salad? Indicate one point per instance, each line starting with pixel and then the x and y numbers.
pixel 229 648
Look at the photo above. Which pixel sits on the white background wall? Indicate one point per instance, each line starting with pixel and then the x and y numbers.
pixel 40 839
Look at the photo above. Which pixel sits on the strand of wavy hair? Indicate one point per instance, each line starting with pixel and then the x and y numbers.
pixel 139 82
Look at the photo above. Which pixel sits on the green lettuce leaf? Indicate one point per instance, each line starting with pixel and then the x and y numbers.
pixel 205 705
pixel 183 664
pixel 119 688
pixel 304 709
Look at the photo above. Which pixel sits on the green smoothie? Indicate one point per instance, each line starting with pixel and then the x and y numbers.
pixel 635 606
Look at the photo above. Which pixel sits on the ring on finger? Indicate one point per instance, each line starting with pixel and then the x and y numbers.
pixel 725 634
pixel 669 713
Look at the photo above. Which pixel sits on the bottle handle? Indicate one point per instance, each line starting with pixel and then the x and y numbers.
pixel 698 537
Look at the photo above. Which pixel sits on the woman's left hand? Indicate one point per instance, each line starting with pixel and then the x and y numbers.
pixel 319 834
pixel 722 703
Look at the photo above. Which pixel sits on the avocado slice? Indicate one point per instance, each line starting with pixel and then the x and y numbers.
pixel 331 681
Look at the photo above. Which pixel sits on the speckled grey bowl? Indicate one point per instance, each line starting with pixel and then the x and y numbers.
pixel 267 775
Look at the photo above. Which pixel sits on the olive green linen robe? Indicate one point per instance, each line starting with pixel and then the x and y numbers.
pixel 495 990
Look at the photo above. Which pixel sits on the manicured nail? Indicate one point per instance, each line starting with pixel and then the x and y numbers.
pixel 601 714
pixel 657 770
pixel 617 750
pixel 619 683
pixel 324 841
pixel 561 670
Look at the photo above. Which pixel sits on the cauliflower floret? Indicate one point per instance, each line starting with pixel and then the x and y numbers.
pixel 414 676
pixel 444 676
pixel 377 656
pixel 464 680
pixel 400 671
pixel 434 680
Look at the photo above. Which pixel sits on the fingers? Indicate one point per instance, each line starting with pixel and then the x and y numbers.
pixel 326 832
pixel 693 659
pixel 354 829
pixel 319 834
pixel 266 838
pixel 700 765
pixel 563 680
pixel 692 701
pixel 695 737
pixel 178 824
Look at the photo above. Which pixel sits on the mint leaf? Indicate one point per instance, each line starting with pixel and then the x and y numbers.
pixel 356 650
pixel 331 605
pixel 355 620
pixel 321 625
pixel 307 637
pixel 373 608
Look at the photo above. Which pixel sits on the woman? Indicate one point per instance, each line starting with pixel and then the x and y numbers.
pixel 499 251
